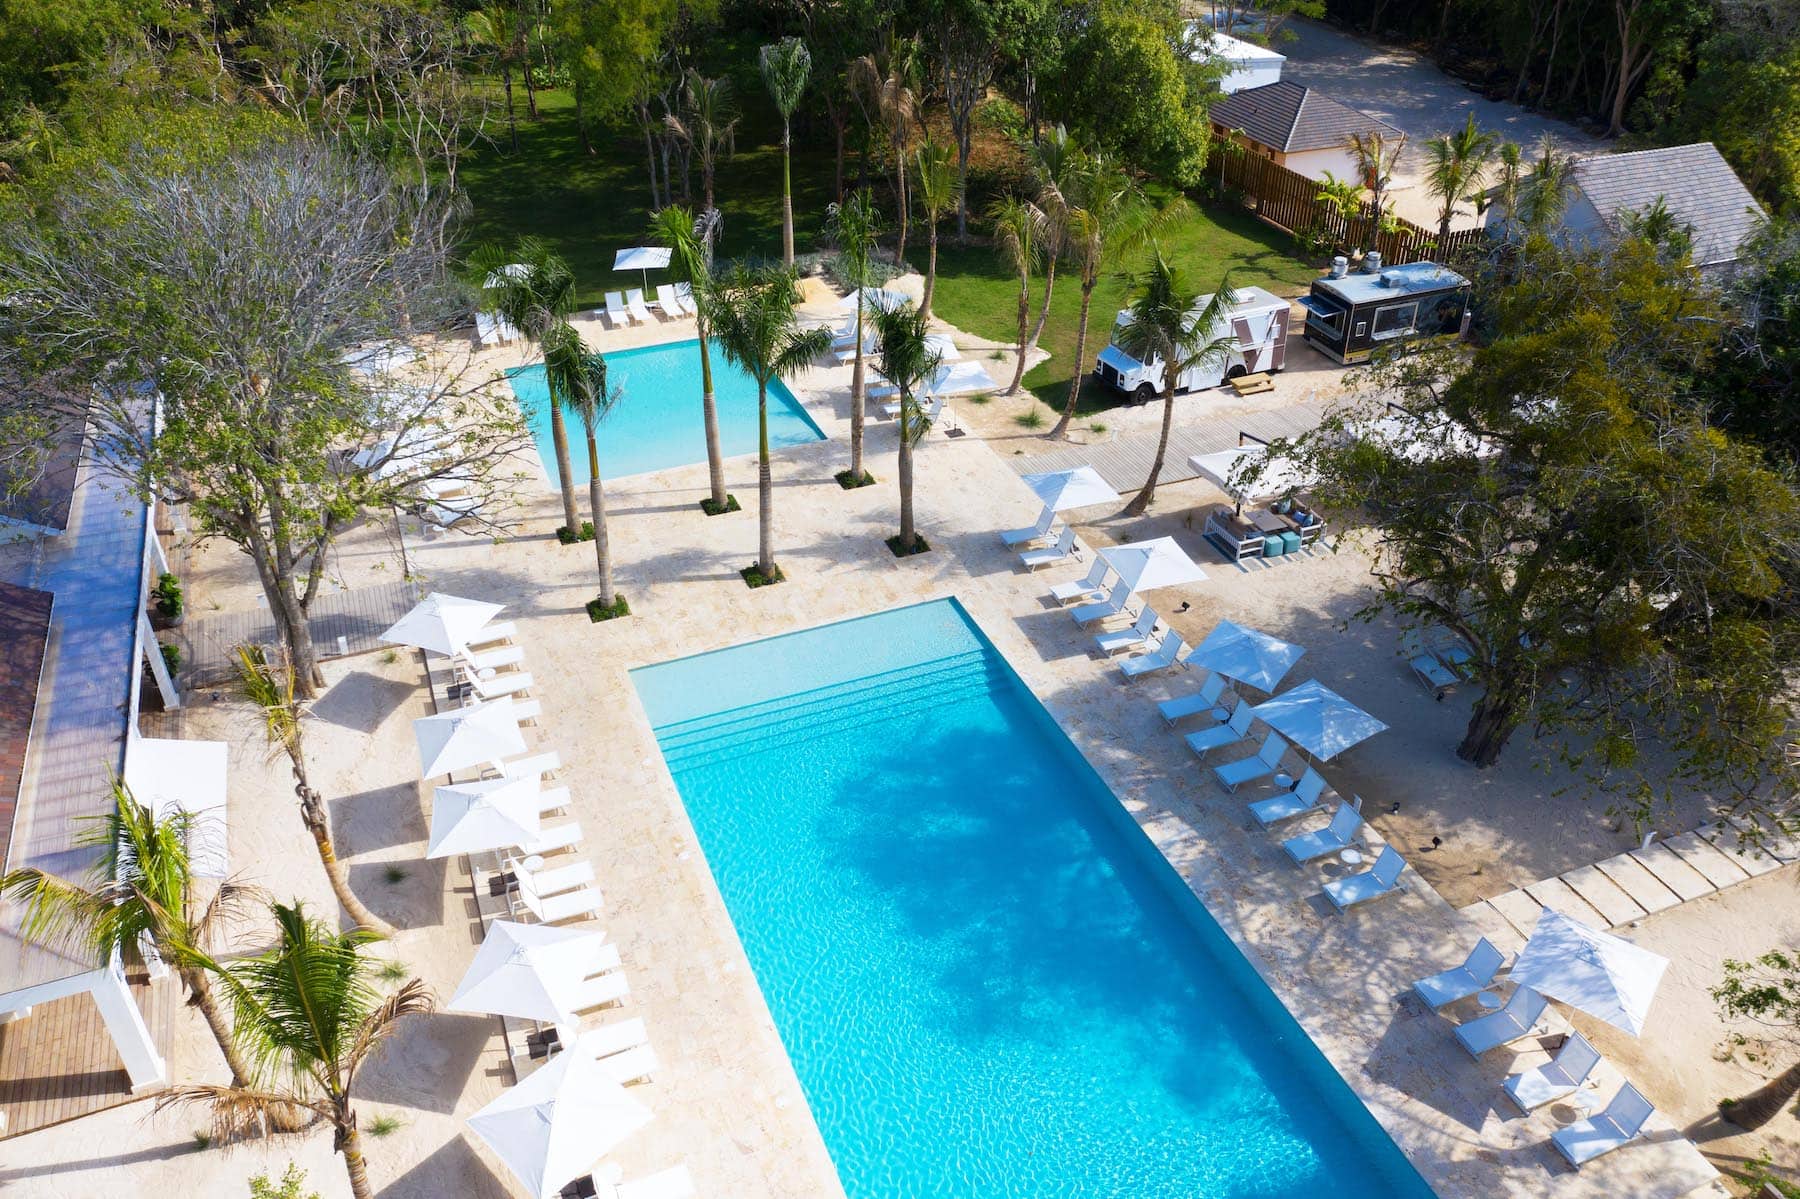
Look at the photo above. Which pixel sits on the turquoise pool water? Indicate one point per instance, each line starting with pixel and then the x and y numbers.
pixel 988 980
pixel 658 423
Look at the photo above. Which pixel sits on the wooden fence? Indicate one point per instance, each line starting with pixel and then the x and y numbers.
pixel 1290 201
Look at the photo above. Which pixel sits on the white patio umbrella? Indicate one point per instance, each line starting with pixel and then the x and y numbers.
pixel 1076 488
pixel 1147 565
pixel 642 259
pixel 512 270
pixel 527 970
pixel 1418 441
pixel 442 624
pixel 941 345
pixel 1230 471
pixel 958 378
pixel 555 1125
pixel 490 814
pixel 1605 976
pixel 1318 719
pixel 880 299
pixel 1246 655
pixel 465 737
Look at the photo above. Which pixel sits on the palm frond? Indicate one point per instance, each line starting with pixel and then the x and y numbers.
pixel 413 998
pixel 239 1113
pixel 786 65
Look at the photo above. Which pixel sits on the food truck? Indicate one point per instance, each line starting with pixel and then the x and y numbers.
pixel 1257 324
pixel 1351 315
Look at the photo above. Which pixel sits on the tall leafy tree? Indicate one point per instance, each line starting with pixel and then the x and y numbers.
pixel 1166 320
pixel 708 123
pixel 908 361
pixel 1018 225
pixel 138 893
pixel 853 227
pixel 939 189
pixel 753 314
pixel 577 379
pixel 885 84
pixel 1766 992
pixel 690 262
pixel 786 65
pixel 1456 167
pixel 1054 161
pixel 309 1016
pixel 1158 123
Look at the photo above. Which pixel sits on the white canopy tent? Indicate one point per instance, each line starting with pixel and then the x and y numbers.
pixel 1417 440
pixel 642 259
pixel 1605 976
pixel 1147 565
pixel 553 1127
pixel 184 776
pixel 531 971
pixel 1080 487
pixel 484 815
pixel 1246 655
pixel 463 737
pixel 1231 471
pixel 1318 719
pixel 958 378
pixel 442 624
pixel 941 345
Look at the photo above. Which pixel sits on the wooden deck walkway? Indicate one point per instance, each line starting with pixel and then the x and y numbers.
pixel 59 1062
pixel 357 616
pixel 1631 885
pixel 1125 461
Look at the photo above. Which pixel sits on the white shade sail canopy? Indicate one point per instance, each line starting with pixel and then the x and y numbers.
pixel 531 971
pixel 641 258
pixel 1076 488
pixel 1419 440
pixel 1318 719
pixel 169 776
pixel 479 816
pixel 518 271
pixel 442 624
pixel 958 378
pixel 464 737
pixel 1147 565
pixel 1246 655
pixel 1605 976
pixel 553 1127
pixel 880 299
pixel 941 345
pixel 1230 470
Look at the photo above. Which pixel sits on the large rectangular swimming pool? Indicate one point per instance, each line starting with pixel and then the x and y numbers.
pixel 658 422
pixel 989 982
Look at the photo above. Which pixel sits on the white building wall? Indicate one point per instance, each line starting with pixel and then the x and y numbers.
pixel 1314 163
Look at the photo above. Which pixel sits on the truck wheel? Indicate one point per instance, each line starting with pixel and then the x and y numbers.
pixel 1237 372
pixel 1144 394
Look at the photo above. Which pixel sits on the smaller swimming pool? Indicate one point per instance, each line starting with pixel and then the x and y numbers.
pixel 658 423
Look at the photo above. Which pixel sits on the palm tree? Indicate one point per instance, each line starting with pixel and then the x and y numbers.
pixel 577 378
pixel 138 892
pixel 708 123
pixel 1507 177
pixel 271 688
pixel 1376 155
pixel 786 64
pixel 1456 172
pixel 908 361
pixel 1163 322
pixel 1017 224
pixel 753 313
pixel 501 28
pixel 853 227
pixel 939 189
pixel 1544 193
pixel 533 290
pixel 310 1017
pixel 690 263
pixel 1343 197
pixel 1054 162
pixel 1107 217
pixel 892 100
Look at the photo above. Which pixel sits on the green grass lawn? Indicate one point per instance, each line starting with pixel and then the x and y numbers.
pixel 590 205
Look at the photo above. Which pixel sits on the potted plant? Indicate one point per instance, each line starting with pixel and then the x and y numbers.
pixel 167 607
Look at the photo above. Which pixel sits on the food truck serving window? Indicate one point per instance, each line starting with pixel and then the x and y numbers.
pixel 1396 320
pixel 1326 315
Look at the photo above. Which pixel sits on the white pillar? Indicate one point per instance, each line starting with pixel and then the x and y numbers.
pixel 165 682
pixel 130 1035
pixel 156 546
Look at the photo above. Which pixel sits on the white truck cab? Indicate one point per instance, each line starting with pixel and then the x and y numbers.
pixel 1257 324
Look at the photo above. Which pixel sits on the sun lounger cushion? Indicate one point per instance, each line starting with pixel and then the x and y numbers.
pixel 601 991
pixel 609 1039
pixel 1557 1078
pixel 1515 1020
pixel 1619 1124
pixel 673 1183
pixel 1204 700
pixel 1460 982
pixel 631 1066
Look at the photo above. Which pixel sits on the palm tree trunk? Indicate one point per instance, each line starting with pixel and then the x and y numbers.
pixel 900 204
pixel 1081 326
pixel 1766 1102
pixel 709 408
pixel 512 124
pixel 908 534
pixel 530 85
pixel 312 812
pixel 1037 330
pixel 930 264
pixel 1141 502
pixel 858 400
pixel 350 1145
pixel 597 504
pixel 787 198
pixel 199 989
pixel 765 487
pixel 565 473
pixel 1012 389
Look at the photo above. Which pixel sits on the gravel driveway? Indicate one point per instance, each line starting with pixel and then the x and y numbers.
pixel 1411 93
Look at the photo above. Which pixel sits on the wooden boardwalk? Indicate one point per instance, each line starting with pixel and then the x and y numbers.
pixel 1125 461
pixel 357 616
pixel 59 1062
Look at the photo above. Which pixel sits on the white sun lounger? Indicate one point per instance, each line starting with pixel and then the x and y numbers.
pixel 602 990
pixel 1619 1124
pixel 1085 588
pixel 578 904
pixel 1437 677
pixel 673 1183
pixel 553 881
pixel 1112 605
pixel 528 711
pixel 634 1065
pixel 1383 878
pixel 1333 838
pixel 536 766
pixel 549 840
pixel 1062 551
pixel 556 799
pixel 1166 654
pixel 1114 640
pixel 667 302
pixel 1303 797
pixel 1459 982
pixel 1520 1015
pixel 1032 532
pixel 495 658
pixel 1204 700
pixel 491 329
pixel 509 683
pixel 634 304
pixel 498 633
pixel 933 407
pixel 608 1039
pixel 1231 732
pixel 685 293
pixel 1265 761
pixel 1557 1078
pixel 616 313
